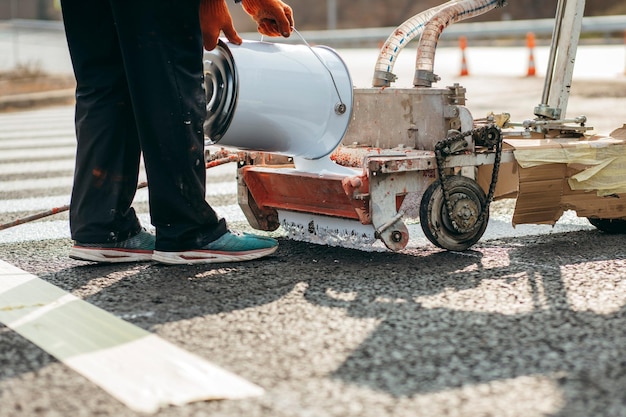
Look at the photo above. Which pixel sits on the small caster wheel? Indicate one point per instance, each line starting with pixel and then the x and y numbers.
pixel 465 225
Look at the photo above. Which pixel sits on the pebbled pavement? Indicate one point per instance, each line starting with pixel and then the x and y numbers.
pixel 530 326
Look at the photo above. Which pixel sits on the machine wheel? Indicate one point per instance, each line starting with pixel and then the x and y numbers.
pixel 614 226
pixel 467 199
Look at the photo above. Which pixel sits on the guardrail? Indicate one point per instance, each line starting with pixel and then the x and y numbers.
pixel 602 29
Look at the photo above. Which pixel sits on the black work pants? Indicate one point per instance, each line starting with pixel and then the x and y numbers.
pixel 138 67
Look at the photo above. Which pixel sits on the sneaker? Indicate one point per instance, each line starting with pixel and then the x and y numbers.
pixel 135 249
pixel 230 247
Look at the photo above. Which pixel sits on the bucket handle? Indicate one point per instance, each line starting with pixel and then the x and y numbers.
pixel 340 108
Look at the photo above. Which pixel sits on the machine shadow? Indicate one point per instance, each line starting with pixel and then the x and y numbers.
pixel 418 349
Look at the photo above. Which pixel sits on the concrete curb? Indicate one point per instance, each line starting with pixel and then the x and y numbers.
pixel 44 98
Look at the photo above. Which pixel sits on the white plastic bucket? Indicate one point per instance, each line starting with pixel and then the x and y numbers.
pixel 293 100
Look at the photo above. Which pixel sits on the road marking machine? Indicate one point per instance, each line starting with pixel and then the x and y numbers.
pixel 344 166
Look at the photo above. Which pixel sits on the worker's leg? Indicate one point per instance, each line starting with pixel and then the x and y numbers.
pixel 107 160
pixel 161 43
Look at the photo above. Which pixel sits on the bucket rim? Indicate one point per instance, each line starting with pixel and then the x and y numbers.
pixel 221 106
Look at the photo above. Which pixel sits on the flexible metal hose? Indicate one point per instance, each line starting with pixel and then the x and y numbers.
pixel 452 12
pixel 401 36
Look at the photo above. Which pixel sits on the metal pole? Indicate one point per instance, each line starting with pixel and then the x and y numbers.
pixel 563 69
pixel 560 10
pixel 331 14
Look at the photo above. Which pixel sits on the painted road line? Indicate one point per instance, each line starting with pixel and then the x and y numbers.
pixel 63 121
pixel 42 113
pixel 68 165
pixel 136 367
pixel 45 203
pixel 25 153
pixel 37 167
pixel 29 134
pixel 60 229
pixel 38 231
pixel 35 184
pixel 39 144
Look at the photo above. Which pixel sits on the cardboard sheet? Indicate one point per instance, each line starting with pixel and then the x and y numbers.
pixel 550 176
pixel 600 163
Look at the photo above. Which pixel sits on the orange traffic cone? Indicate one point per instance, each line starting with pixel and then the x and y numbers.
pixel 463 45
pixel 530 42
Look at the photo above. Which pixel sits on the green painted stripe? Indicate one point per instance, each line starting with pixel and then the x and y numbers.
pixel 74 327
pixel 138 368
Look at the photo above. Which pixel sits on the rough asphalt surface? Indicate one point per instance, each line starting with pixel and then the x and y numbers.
pixel 532 326
pixel 529 322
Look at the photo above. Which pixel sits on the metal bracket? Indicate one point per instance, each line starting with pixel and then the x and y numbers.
pixel 384 78
pixel 385 188
pixel 425 78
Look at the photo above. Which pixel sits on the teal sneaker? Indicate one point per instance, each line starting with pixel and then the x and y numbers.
pixel 138 248
pixel 230 247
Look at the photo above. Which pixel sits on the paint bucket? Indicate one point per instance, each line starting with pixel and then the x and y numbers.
pixel 293 100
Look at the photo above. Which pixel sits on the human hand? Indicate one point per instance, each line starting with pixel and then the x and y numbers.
pixel 215 17
pixel 273 17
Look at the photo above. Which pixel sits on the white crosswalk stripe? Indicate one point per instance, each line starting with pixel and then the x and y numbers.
pixel 47 142
pixel 35 184
pixel 24 153
pixel 37 149
pixel 43 203
pixel 36 133
pixel 26 166
pixel 59 229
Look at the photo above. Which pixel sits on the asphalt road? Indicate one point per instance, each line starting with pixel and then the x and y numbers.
pixel 528 326
pixel 529 322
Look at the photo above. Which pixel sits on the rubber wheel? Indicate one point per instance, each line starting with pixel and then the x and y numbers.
pixel 467 199
pixel 613 226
